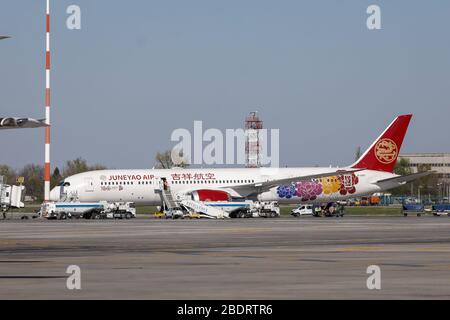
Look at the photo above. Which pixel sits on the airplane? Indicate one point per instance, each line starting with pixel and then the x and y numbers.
pixel 21 123
pixel 18 123
pixel 371 173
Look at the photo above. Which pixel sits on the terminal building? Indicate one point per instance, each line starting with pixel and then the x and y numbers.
pixel 438 162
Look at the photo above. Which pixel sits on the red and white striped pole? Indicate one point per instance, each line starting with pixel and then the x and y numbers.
pixel 47 107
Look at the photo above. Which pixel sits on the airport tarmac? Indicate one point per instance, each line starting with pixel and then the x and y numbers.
pixel 284 258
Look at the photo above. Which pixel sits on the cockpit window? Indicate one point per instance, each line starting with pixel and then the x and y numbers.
pixel 64 184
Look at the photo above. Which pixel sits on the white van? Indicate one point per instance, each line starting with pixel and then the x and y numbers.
pixel 303 210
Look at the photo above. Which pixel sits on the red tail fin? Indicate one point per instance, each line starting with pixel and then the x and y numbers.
pixel 382 154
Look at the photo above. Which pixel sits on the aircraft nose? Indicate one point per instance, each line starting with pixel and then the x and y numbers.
pixel 55 194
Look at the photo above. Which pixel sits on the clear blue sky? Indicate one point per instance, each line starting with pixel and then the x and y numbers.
pixel 139 69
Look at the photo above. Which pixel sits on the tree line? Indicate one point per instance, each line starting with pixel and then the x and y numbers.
pixel 33 175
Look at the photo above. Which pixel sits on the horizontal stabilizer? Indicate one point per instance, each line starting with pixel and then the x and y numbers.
pixel 407 178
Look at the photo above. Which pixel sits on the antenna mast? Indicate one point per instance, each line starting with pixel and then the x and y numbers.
pixel 47 107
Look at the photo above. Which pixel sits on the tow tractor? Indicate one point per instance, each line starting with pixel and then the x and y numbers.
pixel 330 209
pixel 88 210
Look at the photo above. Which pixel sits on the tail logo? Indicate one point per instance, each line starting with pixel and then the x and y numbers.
pixel 386 151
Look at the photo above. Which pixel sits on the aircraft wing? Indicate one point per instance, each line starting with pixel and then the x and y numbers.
pixel 405 179
pixel 3 37
pixel 19 123
pixel 249 189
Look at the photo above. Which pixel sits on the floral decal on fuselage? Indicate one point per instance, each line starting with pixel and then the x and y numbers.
pixel 310 190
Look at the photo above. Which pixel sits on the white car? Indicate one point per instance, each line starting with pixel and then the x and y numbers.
pixel 304 210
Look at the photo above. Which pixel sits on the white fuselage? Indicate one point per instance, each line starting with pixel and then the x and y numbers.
pixel 139 186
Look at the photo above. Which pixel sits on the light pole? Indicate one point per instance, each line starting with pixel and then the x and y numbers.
pixel 447 191
pixel 440 192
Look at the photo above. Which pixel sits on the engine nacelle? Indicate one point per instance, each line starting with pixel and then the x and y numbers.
pixel 8 122
pixel 210 195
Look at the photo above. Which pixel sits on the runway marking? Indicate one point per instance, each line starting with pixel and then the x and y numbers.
pixel 24 242
pixel 444 267
pixel 244 230
pixel 31 277
pixel 360 249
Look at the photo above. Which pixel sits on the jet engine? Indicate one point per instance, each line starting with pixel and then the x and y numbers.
pixel 8 122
